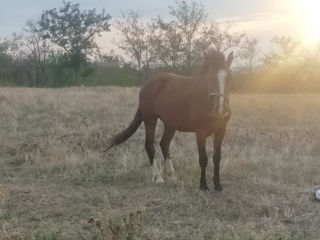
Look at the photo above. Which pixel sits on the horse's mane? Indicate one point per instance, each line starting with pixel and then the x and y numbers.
pixel 212 58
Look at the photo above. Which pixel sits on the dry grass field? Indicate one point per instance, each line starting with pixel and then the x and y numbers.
pixel 56 184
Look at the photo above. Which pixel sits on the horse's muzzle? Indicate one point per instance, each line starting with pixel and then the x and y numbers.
pixel 220 105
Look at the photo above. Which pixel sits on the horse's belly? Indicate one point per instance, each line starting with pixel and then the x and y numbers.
pixel 185 123
pixel 178 120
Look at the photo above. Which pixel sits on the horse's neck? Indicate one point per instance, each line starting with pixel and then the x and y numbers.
pixel 202 87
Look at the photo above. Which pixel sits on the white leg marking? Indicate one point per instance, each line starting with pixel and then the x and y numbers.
pixel 156 176
pixel 222 74
pixel 169 170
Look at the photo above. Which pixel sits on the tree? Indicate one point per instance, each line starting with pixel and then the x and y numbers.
pixel 4 46
pixel 168 43
pixel 9 47
pixel 249 51
pixel 74 30
pixel 36 49
pixel 8 50
pixel 188 18
pixel 4 59
pixel 220 37
pixel 135 40
pixel 110 60
pixel 286 51
pixel 282 64
pixel 32 39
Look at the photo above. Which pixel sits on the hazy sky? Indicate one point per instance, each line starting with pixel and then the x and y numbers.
pixel 260 18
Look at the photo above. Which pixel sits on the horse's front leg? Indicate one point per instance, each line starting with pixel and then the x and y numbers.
pixel 218 138
pixel 203 159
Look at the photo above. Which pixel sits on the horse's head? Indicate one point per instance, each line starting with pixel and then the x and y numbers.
pixel 217 74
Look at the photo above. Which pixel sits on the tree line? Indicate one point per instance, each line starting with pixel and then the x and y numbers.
pixel 59 49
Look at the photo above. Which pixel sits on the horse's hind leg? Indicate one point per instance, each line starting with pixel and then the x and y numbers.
pixel 150 125
pixel 165 144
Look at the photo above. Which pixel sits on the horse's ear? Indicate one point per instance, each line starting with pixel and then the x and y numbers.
pixel 230 59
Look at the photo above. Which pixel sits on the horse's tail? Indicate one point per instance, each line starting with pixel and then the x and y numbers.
pixel 125 134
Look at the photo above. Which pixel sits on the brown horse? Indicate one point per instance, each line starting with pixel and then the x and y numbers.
pixel 190 104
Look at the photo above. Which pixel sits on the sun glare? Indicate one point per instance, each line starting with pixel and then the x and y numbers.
pixel 309 13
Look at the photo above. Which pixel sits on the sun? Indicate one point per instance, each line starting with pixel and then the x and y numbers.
pixel 309 15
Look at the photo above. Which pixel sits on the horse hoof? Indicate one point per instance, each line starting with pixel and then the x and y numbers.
pixel 218 188
pixel 158 179
pixel 171 177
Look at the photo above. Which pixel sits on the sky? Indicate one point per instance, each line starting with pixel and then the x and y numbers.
pixel 262 19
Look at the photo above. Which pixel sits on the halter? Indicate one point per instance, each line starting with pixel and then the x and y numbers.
pixel 213 94
pixel 228 111
pixel 217 94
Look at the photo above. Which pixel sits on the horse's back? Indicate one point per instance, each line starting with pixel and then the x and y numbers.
pixel 167 96
pixel 162 80
pixel 164 85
